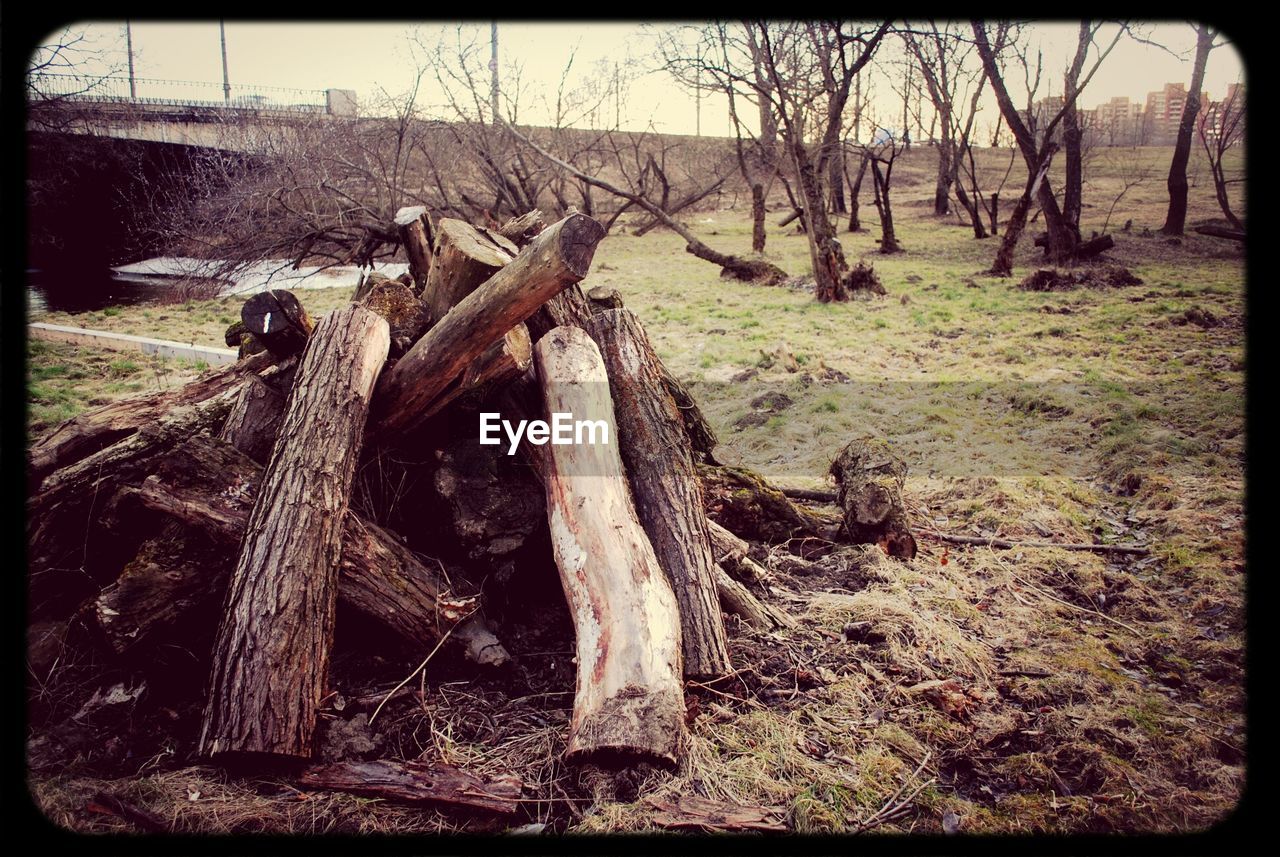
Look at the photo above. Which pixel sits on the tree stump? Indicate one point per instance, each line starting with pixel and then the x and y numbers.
pixel 870 479
pixel 271 657
pixel 405 313
pixel 628 704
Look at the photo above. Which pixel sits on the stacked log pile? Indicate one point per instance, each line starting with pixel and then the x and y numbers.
pixel 237 515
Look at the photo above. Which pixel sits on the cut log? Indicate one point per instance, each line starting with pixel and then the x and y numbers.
pixel 745 504
pixel 690 812
pixel 559 256
pixel 91 431
pixel 871 479
pixel 504 361
pixel 207 490
pixel 70 553
pixel 523 229
pixel 404 312
pixel 464 258
pixel 665 488
pixel 1221 232
pixel 254 420
pixel 1094 246
pixel 271 657
pixel 418 782
pixel 277 320
pixel 737 599
pixel 628 703
pixel 603 298
pixel 732 554
pixel 414 228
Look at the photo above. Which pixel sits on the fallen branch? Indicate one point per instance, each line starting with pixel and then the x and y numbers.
pixel 1005 544
pixel 418 782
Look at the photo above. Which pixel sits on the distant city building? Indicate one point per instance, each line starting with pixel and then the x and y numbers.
pixel 1124 122
pixel 1228 112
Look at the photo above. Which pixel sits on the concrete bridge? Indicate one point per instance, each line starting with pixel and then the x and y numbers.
pixel 240 118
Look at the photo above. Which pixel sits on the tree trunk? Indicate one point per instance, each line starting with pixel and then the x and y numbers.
pixel 668 499
pixel 888 241
pixel 277 320
pixel 835 178
pixel 415 236
pixel 629 703
pixel 411 392
pixel 942 187
pixel 1073 155
pixel 271 657
pixel 757 218
pixel 1176 220
pixel 855 225
pixel 464 258
pixel 746 505
pixel 825 253
pixel 971 209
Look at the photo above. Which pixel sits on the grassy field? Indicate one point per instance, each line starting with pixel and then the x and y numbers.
pixel 1097 693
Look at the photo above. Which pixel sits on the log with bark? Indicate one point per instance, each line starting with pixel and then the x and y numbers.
pixel 871 479
pixel 628 702
pixel 1221 232
pixel 464 258
pixel 271 656
pixel 668 498
pixel 414 227
pixel 87 433
pixel 744 503
pixel 278 321
pixel 418 782
pixel 412 391
pixel 523 229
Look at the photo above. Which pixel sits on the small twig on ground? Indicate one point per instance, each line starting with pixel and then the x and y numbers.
pixel 1005 544
pixel 893 807
pixel 409 677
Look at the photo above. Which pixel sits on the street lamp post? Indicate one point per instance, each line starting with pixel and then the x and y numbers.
pixel 226 80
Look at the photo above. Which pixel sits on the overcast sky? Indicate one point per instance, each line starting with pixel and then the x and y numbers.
pixel 374 57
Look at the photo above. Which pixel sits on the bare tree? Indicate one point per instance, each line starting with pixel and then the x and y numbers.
pixel 881 154
pixel 1037 144
pixel 1220 130
pixel 1176 218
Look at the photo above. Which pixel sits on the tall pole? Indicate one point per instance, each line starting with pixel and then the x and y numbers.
pixel 493 67
pixel 226 80
pixel 697 96
pixel 128 42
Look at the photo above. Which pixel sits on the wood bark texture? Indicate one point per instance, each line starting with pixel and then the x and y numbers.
pixel 277 320
pixel 414 228
pixel 559 256
pixel 668 498
pixel 271 657
pixel 464 258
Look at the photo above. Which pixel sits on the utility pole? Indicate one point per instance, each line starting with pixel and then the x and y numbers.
pixel 493 67
pixel 697 96
pixel 226 80
pixel 128 41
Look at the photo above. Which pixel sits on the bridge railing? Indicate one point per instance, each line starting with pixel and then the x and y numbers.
pixel 174 93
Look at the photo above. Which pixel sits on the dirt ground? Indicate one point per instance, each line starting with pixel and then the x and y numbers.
pixel 971 689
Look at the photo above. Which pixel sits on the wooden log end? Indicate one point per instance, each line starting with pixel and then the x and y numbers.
pixel 578 241
pixel 636 725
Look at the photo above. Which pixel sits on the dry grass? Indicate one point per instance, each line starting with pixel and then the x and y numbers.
pixel 1088 693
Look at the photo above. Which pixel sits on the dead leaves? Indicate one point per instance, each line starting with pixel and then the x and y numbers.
pixel 948 696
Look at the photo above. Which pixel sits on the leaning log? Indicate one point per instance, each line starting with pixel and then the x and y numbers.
pixel 207 489
pixel 277 320
pixel 414 229
pixel 254 420
pixel 628 703
pixel 464 258
pixel 559 256
pixel 668 499
pixel 91 431
pixel 523 229
pixel 271 657
pixel 738 600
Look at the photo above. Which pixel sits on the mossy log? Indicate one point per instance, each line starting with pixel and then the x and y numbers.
pixel 870 479
pixel 745 504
